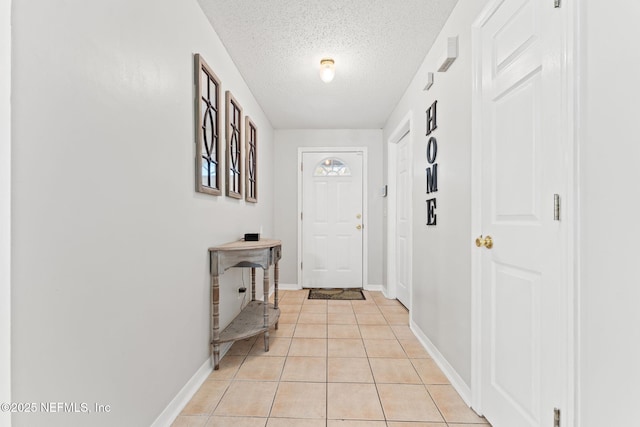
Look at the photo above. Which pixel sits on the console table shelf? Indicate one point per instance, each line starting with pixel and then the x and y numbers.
pixel 250 322
pixel 258 316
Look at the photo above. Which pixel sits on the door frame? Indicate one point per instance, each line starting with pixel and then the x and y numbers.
pixel 403 128
pixel 365 213
pixel 570 209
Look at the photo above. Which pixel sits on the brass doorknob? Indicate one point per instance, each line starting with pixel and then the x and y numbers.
pixel 359 227
pixel 487 242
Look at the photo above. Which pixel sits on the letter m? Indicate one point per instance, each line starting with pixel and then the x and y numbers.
pixel 432 178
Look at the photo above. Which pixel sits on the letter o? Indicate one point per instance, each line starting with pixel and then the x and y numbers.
pixel 432 150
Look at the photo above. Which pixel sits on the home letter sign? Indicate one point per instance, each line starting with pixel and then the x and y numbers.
pixel 432 168
pixel 431 118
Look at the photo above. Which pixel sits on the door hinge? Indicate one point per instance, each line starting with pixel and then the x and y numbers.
pixel 300 216
pixel 301 167
pixel 556 417
pixel 300 266
pixel 556 3
pixel 556 207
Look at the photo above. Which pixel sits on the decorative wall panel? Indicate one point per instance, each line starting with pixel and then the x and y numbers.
pixel 234 147
pixel 251 153
pixel 207 129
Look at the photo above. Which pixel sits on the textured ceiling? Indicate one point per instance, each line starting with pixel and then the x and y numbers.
pixel 377 45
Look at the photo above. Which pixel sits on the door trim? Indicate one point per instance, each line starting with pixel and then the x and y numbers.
pixel 403 128
pixel 365 210
pixel 571 34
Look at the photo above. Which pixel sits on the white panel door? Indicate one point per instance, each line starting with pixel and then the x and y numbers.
pixel 523 368
pixel 403 222
pixel 332 220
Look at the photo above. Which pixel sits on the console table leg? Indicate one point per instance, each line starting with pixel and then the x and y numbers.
pixel 276 275
pixel 215 357
pixel 253 284
pixel 265 285
pixel 215 322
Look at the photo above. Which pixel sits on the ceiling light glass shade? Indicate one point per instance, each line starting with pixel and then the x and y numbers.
pixel 327 70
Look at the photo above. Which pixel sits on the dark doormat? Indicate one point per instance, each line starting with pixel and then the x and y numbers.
pixel 336 294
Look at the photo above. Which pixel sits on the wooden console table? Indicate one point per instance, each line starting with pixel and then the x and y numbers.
pixel 258 316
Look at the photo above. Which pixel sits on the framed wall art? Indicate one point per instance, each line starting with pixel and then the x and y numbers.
pixel 207 129
pixel 234 167
pixel 251 153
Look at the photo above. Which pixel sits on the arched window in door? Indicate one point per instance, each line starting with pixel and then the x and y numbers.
pixel 332 166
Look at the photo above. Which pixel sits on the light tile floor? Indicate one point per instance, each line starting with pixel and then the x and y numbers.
pixel 330 364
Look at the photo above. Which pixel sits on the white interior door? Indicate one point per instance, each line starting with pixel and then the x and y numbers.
pixel 523 284
pixel 332 220
pixel 403 222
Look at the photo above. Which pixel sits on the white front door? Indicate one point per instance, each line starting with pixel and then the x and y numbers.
pixel 332 220
pixel 403 222
pixel 523 281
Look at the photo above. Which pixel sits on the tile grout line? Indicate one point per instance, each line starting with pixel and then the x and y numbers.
pixel 436 405
pixel 231 381
pixel 283 366
pixel 384 413
pixel 326 377
pixel 233 378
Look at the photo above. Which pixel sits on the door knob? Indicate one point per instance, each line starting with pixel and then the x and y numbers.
pixel 487 242
pixel 359 227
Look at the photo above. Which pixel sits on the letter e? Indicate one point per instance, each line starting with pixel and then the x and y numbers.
pixel 431 211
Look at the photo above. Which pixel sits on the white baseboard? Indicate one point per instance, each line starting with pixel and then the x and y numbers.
pixel 289 287
pixel 168 416
pixel 374 288
pixel 454 378
pixel 385 292
pixel 296 287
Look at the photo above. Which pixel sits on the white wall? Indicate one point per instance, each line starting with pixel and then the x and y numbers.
pixel 110 262
pixel 287 143
pixel 5 208
pixel 610 230
pixel 441 253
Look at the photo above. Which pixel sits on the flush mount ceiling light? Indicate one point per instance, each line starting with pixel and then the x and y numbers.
pixel 327 69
